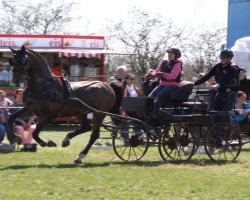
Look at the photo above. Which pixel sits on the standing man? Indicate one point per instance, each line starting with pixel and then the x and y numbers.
pixel 226 75
pixel 120 72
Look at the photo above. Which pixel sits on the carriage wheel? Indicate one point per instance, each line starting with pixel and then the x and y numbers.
pixel 222 142
pixel 176 142
pixel 198 133
pixel 131 146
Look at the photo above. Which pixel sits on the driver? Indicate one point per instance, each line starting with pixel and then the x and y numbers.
pixel 169 72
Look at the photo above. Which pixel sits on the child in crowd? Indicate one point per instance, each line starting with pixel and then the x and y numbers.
pixel 23 123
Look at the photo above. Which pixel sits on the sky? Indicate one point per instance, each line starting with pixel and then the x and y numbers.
pixel 184 13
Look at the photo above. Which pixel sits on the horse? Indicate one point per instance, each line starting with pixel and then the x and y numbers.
pixel 48 96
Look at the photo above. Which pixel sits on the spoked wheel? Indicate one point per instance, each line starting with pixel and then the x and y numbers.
pixel 176 142
pixel 222 142
pixel 130 146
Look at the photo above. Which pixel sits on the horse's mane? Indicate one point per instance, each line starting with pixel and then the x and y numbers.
pixel 36 54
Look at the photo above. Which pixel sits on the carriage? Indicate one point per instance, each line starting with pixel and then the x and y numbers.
pixel 179 129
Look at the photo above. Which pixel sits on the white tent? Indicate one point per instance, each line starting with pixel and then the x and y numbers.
pixel 241 51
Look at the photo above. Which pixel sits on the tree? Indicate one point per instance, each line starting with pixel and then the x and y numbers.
pixel 202 49
pixel 148 37
pixel 41 18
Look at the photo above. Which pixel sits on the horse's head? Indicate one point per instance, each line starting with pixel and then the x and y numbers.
pixel 19 63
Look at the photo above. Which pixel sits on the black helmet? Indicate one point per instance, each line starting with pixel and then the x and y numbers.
pixel 226 53
pixel 176 51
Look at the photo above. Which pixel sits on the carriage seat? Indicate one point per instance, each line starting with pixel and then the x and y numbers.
pixel 180 97
pixel 182 93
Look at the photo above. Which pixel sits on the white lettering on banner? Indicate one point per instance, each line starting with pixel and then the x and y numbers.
pixel 56 43
pixel 7 42
pixel 84 43
pixel 38 42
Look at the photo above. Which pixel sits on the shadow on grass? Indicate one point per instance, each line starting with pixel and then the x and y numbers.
pixel 60 127
pixel 198 162
pixel 245 150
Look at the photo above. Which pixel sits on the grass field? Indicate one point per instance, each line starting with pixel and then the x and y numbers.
pixel 50 173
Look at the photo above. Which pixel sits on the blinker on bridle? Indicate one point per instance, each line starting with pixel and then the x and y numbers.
pixel 22 62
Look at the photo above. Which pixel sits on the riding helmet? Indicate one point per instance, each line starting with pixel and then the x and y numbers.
pixel 226 53
pixel 176 51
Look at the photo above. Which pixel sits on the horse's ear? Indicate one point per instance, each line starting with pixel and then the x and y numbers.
pixel 23 48
pixel 13 50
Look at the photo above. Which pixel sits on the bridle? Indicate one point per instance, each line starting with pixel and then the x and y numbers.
pixel 20 64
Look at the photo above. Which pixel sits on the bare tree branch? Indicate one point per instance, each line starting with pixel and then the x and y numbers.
pixel 42 18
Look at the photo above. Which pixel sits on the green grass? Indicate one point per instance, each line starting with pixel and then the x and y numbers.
pixel 50 173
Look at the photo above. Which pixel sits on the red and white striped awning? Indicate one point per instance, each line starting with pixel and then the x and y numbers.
pixel 79 53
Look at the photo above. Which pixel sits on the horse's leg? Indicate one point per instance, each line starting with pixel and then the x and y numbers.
pixel 41 123
pixel 85 127
pixel 11 136
pixel 97 120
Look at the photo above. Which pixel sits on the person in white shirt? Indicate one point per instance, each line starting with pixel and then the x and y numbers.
pixel 130 90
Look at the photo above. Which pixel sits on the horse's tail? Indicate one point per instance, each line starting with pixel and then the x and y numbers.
pixel 119 91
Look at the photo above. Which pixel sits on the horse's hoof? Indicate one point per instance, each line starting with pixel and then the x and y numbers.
pixel 65 142
pixel 77 161
pixel 18 139
pixel 51 143
pixel 42 144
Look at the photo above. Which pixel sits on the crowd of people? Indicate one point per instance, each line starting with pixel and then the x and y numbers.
pixel 23 125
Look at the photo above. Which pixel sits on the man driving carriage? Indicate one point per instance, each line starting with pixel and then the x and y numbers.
pixel 169 72
pixel 226 74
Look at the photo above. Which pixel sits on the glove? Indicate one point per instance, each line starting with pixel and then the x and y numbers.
pixel 195 83
pixel 159 74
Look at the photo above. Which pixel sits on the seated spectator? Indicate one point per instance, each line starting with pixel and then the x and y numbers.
pixel 3 122
pixel 4 101
pixel 23 123
pixel 242 107
pixel 244 83
pixel 4 112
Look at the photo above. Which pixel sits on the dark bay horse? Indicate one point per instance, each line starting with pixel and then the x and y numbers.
pixel 48 97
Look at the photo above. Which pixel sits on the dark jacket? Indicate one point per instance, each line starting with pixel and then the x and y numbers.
pixel 227 76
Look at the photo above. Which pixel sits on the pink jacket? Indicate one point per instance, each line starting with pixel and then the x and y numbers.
pixel 176 70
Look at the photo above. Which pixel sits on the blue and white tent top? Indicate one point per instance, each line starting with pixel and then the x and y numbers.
pixel 241 51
